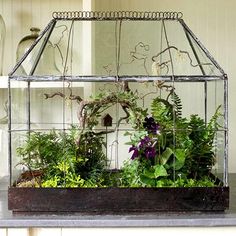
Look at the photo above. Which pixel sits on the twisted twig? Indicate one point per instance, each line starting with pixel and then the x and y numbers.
pixel 180 51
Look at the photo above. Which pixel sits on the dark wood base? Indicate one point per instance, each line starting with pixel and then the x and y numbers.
pixel 118 200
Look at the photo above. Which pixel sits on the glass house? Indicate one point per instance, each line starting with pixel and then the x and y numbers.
pixel 118 110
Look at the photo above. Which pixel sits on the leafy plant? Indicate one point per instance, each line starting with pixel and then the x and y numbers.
pixel 130 174
pixel 174 146
pixel 167 149
pixel 91 110
pixel 201 157
pixel 62 160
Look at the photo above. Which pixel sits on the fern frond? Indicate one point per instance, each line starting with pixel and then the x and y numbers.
pixel 177 104
pixel 213 124
pixel 161 109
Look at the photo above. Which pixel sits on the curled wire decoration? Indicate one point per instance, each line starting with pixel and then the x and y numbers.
pixel 114 15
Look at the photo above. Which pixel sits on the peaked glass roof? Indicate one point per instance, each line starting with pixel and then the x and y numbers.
pixel 117 44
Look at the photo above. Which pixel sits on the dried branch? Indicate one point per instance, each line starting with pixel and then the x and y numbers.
pixel 54 94
pixel 156 67
pixel 136 55
pixel 179 51
pixel 108 68
pixel 56 45
pixel 70 97
pixel 125 109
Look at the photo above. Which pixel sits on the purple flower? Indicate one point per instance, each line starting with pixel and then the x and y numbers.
pixel 146 148
pixel 150 125
pixel 144 142
pixel 135 153
pixel 150 152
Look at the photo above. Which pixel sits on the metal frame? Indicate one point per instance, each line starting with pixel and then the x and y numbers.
pixel 52 22
pixel 116 15
pixel 115 78
pixel 119 16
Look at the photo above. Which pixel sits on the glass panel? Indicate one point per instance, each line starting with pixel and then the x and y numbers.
pixel 63 48
pixel 27 65
pixel 182 55
pixel 53 105
pixel 19 95
pixel 18 163
pixel 132 48
pixel 189 92
pixel 219 148
pixel 4 132
pixel 215 108
pixel 19 119
pixel 139 48
pixel 104 49
pixel 215 99
pixel 198 131
pixel 154 122
pixel 203 59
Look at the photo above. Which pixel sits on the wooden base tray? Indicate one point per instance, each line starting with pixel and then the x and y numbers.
pixel 117 200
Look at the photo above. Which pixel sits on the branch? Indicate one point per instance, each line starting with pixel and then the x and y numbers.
pixel 180 51
pixel 125 109
pixel 71 97
pixel 54 94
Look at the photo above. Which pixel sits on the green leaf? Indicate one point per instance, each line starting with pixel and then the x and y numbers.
pixel 147 181
pixel 127 133
pixel 149 174
pixel 166 155
pixel 129 143
pixel 160 183
pixel 160 171
pixel 162 140
pixel 180 158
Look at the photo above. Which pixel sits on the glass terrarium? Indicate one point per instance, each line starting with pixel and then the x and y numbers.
pixel 134 119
